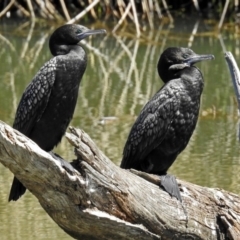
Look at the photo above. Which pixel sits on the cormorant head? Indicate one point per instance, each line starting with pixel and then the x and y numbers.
pixel 64 37
pixel 175 59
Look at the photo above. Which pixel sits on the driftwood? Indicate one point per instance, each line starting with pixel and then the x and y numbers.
pixel 98 200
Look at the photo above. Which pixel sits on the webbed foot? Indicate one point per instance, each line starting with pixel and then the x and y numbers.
pixel 170 185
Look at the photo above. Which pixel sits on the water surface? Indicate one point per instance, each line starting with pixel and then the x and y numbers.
pixel 120 78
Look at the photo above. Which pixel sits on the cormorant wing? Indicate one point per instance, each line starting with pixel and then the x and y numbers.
pixel 150 127
pixel 35 98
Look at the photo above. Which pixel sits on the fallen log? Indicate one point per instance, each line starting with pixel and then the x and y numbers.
pixel 92 198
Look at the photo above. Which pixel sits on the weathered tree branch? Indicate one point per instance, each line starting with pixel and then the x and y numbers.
pixel 98 200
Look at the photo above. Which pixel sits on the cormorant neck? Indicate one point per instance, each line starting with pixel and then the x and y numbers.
pixel 65 49
pixel 170 74
pixel 59 49
pixel 189 76
pixel 78 50
pixel 193 76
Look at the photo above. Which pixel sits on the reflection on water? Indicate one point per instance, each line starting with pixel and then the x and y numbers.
pixel 120 78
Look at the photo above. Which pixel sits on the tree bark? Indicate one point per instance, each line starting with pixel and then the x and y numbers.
pixel 92 198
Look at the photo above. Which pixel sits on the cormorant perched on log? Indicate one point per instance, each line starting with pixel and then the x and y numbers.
pixel 48 103
pixel 167 121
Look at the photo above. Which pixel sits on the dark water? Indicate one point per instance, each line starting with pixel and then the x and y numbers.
pixel 120 78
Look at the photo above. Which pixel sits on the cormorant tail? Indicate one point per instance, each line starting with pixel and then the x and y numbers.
pixel 170 185
pixel 17 190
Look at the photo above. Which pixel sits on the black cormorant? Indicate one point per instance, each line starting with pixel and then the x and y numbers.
pixel 167 121
pixel 48 103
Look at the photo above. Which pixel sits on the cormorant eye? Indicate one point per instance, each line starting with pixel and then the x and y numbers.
pixel 78 31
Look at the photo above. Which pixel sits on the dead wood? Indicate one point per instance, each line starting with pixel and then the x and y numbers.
pixel 95 199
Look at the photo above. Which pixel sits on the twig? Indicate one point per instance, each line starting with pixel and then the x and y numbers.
pixel 39 45
pixel 196 5
pixel 158 9
pixel 105 87
pixel 194 31
pixel 28 39
pixel 164 40
pixel 65 11
pixel 222 43
pixel 7 42
pixel 94 15
pixel 52 10
pixel 166 8
pixel 151 8
pixel 81 14
pixel 147 10
pixel 120 6
pixel 223 14
pixel 129 13
pixel 149 55
pixel 4 11
pixel 22 9
pixel 29 3
pixel 135 18
pixel 122 18
pixel 132 58
pixel 42 6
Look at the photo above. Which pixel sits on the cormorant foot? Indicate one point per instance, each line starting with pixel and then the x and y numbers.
pixel 170 185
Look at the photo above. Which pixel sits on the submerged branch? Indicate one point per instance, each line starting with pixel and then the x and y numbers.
pixel 94 193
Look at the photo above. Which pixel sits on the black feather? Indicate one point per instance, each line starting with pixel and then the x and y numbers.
pixel 166 123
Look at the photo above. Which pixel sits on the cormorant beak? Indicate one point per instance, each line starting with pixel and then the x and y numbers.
pixel 197 58
pixel 90 32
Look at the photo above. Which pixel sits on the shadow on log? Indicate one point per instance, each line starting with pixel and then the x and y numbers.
pixel 95 199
